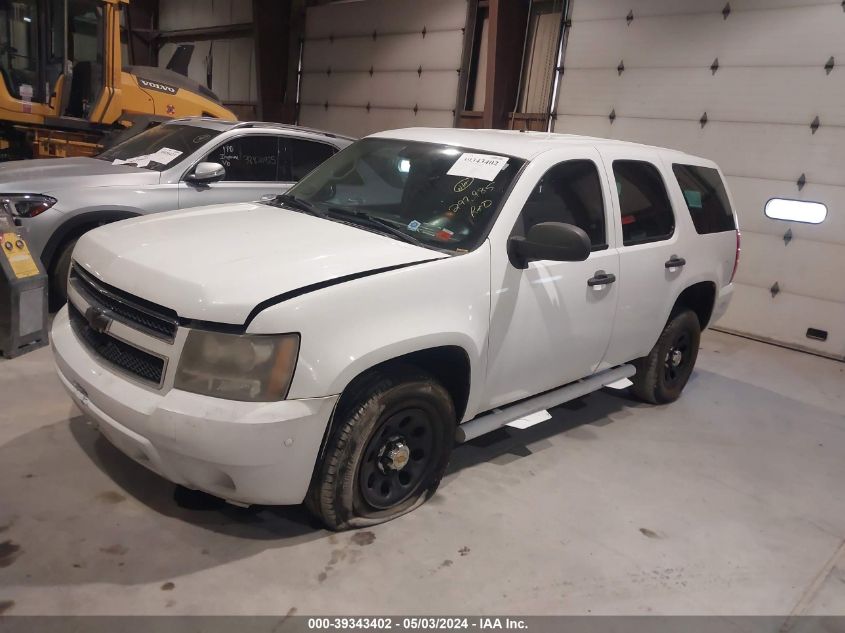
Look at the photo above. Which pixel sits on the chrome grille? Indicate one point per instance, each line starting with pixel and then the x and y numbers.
pixel 148 317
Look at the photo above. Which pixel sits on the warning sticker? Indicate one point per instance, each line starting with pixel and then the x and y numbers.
pixel 482 166
pixel 17 253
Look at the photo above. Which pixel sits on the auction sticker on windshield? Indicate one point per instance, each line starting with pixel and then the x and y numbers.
pixel 483 166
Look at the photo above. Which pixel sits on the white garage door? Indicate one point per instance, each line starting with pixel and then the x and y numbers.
pixel 649 70
pixel 372 65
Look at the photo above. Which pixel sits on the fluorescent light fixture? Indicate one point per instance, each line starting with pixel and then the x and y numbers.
pixel 27 19
pixel 796 210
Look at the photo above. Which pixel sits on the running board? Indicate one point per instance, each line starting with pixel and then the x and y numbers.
pixel 500 417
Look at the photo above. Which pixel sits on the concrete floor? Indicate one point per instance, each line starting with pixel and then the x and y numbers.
pixel 730 501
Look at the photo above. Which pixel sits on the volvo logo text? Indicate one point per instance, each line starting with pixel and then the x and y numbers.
pixel 154 85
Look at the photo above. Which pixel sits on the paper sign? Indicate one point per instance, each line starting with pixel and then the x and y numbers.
pixel 164 156
pixel 482 166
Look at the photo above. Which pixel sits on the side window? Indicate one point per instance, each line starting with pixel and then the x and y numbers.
pixel 306 155
pixel 706 198
pixel 248 158
pixel 569 192
pixel 646 211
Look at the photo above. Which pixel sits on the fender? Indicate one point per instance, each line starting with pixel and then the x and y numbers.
pixel 72 225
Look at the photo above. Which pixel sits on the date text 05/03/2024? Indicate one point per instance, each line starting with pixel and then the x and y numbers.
pixel 417 623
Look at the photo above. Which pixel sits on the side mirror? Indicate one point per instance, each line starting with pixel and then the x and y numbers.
pixel 555 241
pixel 205 173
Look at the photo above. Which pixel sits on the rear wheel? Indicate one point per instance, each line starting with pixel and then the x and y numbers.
pixel 662 375
pixel 387 453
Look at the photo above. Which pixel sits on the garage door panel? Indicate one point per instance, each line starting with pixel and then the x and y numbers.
pixel 440 51
pixel 697 39
pixel 338 55
pixel 785 319
pixel 428 91
pixel 383 16
pixel 805 268
pixel 618 9
pixel 780 152
pixel 358 122
pixel 407 77
pixel 751 194
pixel 437 51
pixel 732 94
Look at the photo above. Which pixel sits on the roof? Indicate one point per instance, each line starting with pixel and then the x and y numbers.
pixel 223 125
pixel 520 144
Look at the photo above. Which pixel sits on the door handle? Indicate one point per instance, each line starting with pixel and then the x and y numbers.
pixel 675 262
pixel 601 278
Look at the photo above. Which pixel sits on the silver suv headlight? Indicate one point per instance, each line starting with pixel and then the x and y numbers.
pixel 26 205
pixel 248 367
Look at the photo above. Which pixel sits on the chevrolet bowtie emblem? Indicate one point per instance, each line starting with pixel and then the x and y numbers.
pixel 97 319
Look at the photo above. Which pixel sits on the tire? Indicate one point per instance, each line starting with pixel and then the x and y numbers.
pixel 662 375
pixel 59 274
pixel 387 452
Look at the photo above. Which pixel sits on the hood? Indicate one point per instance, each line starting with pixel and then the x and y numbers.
pixel 217 263
pixel 49 175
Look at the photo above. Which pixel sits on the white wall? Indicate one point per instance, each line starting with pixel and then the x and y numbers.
pixel 340 51
pixel 233 60
pixel 769 87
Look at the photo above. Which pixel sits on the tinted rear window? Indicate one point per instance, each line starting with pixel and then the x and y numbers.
pixel 706 198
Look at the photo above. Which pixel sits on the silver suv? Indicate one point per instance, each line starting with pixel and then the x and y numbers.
pixel 182 163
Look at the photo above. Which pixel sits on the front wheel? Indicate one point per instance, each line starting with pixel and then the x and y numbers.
pixel 662 375
pixel 387 453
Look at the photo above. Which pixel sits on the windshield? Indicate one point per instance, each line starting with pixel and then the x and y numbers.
pixel 159 147
pixel 436 195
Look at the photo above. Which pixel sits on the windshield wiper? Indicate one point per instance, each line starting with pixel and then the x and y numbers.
pixel 298 204
pixel 376 223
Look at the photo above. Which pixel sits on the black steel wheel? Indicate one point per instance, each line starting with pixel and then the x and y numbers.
pixel 663 374
pixel 390 443
pixel 398 458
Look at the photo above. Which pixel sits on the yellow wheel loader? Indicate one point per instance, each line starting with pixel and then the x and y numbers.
pixel 64 90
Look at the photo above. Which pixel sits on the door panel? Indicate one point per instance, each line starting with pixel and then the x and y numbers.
pixel 547 325
pixel 648 287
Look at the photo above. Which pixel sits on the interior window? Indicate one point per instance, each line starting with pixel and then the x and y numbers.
pixel 19 48
pixel 569 192
pixel 440 195
pixel 646 211
pixel 306 155
pixel 706 198
pixel 248 158
pixel 183 139
pixel 85 51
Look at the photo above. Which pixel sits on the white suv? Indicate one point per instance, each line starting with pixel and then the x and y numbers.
pixel 420 286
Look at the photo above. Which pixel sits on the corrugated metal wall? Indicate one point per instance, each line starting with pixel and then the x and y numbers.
pixel 649 62
pixel 377 64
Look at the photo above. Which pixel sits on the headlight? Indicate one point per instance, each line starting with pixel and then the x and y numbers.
pixel 26 205
pixel 253 368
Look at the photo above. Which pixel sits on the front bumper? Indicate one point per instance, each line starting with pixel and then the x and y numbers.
pixel 245 452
